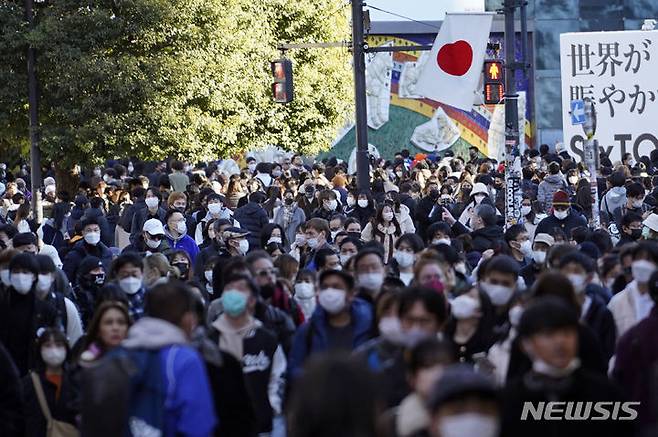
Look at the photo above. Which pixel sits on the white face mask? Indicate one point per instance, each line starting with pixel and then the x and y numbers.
pixel 344 258
pixel 351 201
pixel 526 248
pixel 304 290
pixel 300 239
pixel 44 282
pixel 499 294
pixel 331 205
pixel 371 281
pixel 214 208
pixel 543 368
pixel 525 210
pixel 390 328
pixel 438 241
pixel 464 307
pixel 92 238
pixel 561 215
pixel 642 270
pixel 363 203
pixel 578 281
pixel 515 314
pixel 208 275
pixel 479 198
pixel 539 256
pixel 312 242
pixel 130 285
pixel 181 228
pixel 243 247
pixel 468 424
pixel 4 277
pixel 638 203
pixel 151 202
pixel 251 167
pixel 387 216
pixel 53 356
pixel 22 282
pixel 332 300
pixel 153 244
pixel 405 259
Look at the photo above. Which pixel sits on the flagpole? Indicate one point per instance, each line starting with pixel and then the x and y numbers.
pixel 361 110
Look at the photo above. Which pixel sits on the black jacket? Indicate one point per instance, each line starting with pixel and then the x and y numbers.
pixel 600 320
pixel 79 251
pixel 485 238
pixel 363 215
pixel 214 249
pixel 60 408
pixel 11 397
pixel 253 218
pixel 278 322
pixel 141 215
pixel 573 220
pixel 529 273
pixel 107 232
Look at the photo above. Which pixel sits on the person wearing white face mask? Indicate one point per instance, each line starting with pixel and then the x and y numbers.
pixel 634 303
pixel 21 313
pixel 236 241
pixel 370 272
pixel 329 205
pixel 176 234
pixel 341 322
pixel 48 389
pixel 46 291
pixel 540 247
pixel 406 249
pixel 383 228
pixel 153 210
pixel 499 282
pixel 90 245
pixel 305 295
pixel 518 240
pixel 550 334
pixel 128 271
pixel 463 403
pixel 563 216
pixel 151 240
pixel 469 331
pixel 316 231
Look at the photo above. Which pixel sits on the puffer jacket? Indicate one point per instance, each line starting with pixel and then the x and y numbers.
pixel 253 218
pixel 613 199
pixel 547 188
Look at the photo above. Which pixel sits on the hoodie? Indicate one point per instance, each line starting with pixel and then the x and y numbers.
pixel 188 408
pixel 548 187
pixel 613 199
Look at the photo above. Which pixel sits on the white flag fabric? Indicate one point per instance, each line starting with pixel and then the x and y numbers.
pixel 452 72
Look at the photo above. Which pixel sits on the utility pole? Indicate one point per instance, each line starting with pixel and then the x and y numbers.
pixel 512 155
pixel 361 113
pixel 35 153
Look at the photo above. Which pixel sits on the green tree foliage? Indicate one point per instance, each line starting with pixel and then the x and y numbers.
pixel 186 78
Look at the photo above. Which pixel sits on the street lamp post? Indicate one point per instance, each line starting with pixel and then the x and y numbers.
pixel 35 153
pixel 591 147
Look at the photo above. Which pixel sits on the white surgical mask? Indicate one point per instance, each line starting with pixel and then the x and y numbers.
pixel 22 282
pixel 638 203
pixel 642 270
pixel 331 205
pixel 539 256
pixel 405 259
pixel 304 290
pixel 300 239
pixel 92 238
pixel 181 227
pixel 561 215
pixel 312 242
pixel 130 285
pixel 350 201
pixel 543 368
pixel 243 247
pixel 208 275
pixel 468 424
pixel 478 198
pixel 153 244
pixel 525 210
pixel 499 294
pixel 464 307
pixel 390 328
pixel 578 281
pixel 152 202
pixel 251 167
pixel 371 281
pixel 438 241
pixel 214 208
pixel 4 277
pixel 363 203
pixel 344 258
pixel 53 356
pixel 332 300
pixel 44 282
pixel 526 248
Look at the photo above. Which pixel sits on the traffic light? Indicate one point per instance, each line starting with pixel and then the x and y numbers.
pixel 494 82
pixel 282 88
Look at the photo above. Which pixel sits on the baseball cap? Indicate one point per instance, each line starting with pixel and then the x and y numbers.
pixel 544 238
pixel 234 232
pixel 153 227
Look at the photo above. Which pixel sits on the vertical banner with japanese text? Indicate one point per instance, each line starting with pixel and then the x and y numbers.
pixel 618 71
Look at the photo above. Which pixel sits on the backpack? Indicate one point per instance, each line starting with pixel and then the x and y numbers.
pixel 123 394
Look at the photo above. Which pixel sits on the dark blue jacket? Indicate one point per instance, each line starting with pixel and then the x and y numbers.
pixel 253 218
pixel 305 344
pixel 573 220
pixel 79 251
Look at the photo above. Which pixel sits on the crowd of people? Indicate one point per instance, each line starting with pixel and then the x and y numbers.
pixel 276 298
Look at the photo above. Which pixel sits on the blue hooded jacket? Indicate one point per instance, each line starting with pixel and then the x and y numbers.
pixel 362 320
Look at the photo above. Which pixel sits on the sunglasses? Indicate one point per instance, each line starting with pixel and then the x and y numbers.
pixel 157 237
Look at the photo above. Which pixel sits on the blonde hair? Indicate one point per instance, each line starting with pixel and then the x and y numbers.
pixel 159 263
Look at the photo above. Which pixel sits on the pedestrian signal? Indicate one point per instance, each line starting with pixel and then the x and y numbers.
pixel 282 88
pixel 494 82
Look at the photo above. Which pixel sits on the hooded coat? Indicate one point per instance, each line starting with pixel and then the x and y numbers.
pixel 548 187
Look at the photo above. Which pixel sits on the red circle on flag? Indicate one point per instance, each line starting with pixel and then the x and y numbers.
pixel 456 58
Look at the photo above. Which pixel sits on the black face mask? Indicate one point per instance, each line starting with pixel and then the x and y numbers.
pixel 183 267
pixel 636 234
pixel 289 201
pixel 434 194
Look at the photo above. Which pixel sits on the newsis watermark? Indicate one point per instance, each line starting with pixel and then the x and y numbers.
pixel 573 410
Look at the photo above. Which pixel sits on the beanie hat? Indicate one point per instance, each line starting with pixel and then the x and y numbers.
pixel 561 198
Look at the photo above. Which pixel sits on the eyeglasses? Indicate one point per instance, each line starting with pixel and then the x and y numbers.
pixel 267 272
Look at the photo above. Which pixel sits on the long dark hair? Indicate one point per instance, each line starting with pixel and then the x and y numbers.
pixel 59 214
pixel 584 196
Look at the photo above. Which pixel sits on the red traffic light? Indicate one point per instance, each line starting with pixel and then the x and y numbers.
pixel 282 88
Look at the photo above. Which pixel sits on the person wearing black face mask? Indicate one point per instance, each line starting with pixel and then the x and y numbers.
pixel 181 260
pixel 631 228
pixel 91 278
pixel 306 199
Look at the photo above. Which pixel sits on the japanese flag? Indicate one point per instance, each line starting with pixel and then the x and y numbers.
pixel 452 71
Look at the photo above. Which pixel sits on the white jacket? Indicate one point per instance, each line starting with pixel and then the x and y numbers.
pixel 623 308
